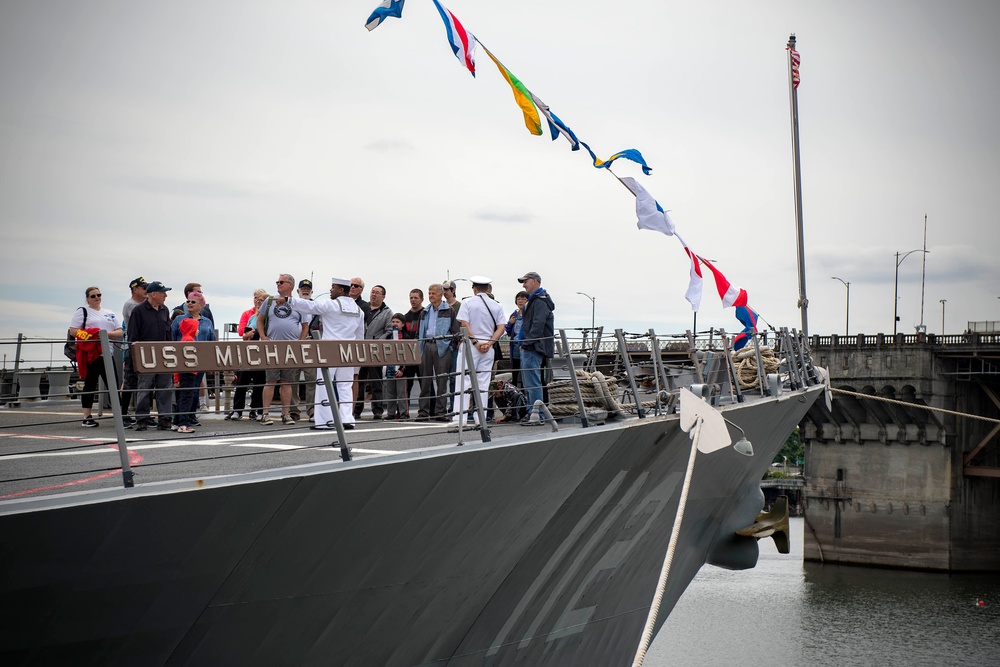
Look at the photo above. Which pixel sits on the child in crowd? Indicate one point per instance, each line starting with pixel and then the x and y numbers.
pixel 509 400
pixel 396 401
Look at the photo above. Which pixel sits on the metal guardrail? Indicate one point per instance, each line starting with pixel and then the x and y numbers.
pixel 882 340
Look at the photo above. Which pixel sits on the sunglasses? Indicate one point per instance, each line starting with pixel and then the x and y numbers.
pixel 280 282
pixel 194 302
pixel 356 286
pixel 94 296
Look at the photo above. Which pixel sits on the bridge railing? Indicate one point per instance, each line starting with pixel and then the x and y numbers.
pixel 968 339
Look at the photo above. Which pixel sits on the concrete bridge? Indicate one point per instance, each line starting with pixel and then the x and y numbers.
pixel 890 482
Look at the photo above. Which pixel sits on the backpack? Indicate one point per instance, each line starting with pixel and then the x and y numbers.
pixel 69 349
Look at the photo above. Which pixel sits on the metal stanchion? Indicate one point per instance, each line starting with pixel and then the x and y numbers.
pixel 620 334
pixel 576 383
pixel 331 398
pixel 116 409
pixel 734 382
pixel 470 367
pixel 765 390
pixel 661 371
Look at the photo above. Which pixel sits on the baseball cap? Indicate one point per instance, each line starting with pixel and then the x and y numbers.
pixel 306 283
pixel 530 274
pixel 156 286
pixel 137 282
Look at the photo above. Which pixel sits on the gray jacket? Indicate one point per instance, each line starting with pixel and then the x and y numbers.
pixel 380 323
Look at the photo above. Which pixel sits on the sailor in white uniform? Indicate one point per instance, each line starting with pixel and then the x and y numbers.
pixel 342 319
pixel 483 320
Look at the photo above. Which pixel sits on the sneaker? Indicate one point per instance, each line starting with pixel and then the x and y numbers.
pixel 287 420
pixel 297 416
pixel 165 426
pixel 185 429
pixel 89 423
pixel 266 421
pixel 253 415
pixel 195 422
pixel 141 426
pixel 236 416
pixel 203 407
pixel 174 427
pixel 128 422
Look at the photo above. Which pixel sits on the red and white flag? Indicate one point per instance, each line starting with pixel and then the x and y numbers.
pixel 731 296
pixel 796 61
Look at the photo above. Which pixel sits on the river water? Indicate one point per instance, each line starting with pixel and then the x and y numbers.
pixel 786 612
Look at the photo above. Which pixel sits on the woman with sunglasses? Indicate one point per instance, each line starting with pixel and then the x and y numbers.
pixel 86 325
pixel 192 326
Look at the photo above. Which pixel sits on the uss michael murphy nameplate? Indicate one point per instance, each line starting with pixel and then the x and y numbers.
pixel 198 356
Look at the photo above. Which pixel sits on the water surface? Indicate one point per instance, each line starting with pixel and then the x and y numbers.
pixel 786 612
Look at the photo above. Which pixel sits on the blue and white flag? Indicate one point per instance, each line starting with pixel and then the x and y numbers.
pixel 384 10
pixel 629 154
pixel 556 126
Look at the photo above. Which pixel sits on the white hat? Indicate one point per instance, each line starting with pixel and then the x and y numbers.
pixel 343 282
pixel 480 280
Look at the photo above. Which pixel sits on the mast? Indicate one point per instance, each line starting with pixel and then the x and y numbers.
pixel 793 84
pixel 923 275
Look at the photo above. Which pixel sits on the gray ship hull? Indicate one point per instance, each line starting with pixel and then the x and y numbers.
pixel 543 550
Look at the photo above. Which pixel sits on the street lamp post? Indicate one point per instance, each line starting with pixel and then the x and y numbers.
pixel 847 319
pixel 895 300
pixel 592 306
pixel 943 301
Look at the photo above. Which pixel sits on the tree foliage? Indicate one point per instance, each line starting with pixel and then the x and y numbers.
pixel 793 448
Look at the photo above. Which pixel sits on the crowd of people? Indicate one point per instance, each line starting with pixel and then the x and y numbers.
pixel 291 313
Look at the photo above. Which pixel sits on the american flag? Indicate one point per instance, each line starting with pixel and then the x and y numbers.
pixel 796 61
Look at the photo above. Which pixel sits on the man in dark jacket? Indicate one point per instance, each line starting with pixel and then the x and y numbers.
pixel 378 324
pixel 536 338
pixel 150 321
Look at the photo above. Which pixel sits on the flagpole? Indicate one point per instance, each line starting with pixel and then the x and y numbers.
pixel 793 96
pixel 923 274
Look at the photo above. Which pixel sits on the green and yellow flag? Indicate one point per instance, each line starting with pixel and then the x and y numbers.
pixel 523 98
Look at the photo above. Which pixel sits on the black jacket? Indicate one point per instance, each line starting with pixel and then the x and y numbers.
pixel 147 324
pixel 538 324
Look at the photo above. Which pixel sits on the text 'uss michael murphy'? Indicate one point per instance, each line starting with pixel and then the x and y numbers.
pixel 160 357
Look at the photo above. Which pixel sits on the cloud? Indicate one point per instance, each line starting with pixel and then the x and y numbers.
pixel 511 217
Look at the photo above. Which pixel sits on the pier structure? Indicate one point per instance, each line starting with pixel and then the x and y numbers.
pixel 903 468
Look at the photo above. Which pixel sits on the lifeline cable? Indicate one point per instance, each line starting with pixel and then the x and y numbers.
pixel 914 405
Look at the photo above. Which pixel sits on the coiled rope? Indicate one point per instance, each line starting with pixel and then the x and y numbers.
pixel 745 362
pixel 597 390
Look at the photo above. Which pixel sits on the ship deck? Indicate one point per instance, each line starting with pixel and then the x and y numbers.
pixel 45 451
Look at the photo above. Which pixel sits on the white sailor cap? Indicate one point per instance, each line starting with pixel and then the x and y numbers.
pixel 481 280
pixel 343 282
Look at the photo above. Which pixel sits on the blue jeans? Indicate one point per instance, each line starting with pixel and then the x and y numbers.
pixel 531 377
pixel 187 398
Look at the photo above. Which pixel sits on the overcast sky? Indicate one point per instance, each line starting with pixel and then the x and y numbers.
pixel 227 141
